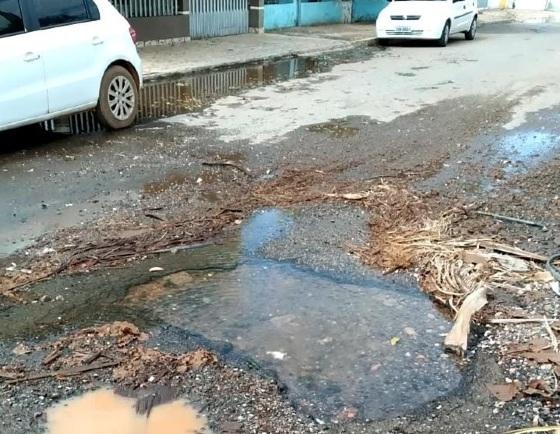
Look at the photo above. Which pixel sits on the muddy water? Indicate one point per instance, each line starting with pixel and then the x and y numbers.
pixel 193 92
pixel 334 342
pixel 104 412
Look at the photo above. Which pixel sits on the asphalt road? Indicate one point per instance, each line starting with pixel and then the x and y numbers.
pixel 379 111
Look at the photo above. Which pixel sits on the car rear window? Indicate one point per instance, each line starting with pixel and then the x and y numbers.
pixel 11 20
pixel 60 12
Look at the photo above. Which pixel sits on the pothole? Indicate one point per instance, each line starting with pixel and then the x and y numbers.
pixel 372 346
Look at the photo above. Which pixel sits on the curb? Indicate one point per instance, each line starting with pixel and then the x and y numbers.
pixel 257 59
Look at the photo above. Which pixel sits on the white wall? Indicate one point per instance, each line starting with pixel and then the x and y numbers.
pixel 538 5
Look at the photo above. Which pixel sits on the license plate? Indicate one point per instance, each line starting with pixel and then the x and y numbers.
pixel 403 29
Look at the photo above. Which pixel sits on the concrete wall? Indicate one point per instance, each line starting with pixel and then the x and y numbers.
pixel 323 12
pixel 281 15
pixel 367 10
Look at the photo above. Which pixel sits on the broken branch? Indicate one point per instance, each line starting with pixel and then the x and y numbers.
pixel 512 219
pixel 457 339
pixel 72 372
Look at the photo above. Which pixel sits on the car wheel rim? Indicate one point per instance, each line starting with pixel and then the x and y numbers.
pixel 474 26
pixel 121 98
pixel 446 34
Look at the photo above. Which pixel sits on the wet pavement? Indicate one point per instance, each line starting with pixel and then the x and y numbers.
pixel 281 288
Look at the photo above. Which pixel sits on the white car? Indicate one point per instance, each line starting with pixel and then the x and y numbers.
pixel 427 19
pixel 59 57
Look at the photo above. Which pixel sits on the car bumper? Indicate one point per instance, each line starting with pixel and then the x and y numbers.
pixel 412 33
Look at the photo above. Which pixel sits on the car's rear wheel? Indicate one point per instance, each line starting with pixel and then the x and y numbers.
pixel 471 34
pixel 118 99
pixel 444 38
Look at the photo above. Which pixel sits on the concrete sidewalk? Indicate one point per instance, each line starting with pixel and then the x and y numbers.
pixel 183 58
pixel 161 61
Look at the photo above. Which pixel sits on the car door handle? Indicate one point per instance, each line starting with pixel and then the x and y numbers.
pixel 97 40
pixel 31 57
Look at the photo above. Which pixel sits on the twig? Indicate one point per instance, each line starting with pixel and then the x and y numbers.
pixel 93 357
pixel 155 217
pixel 553 339
pixel 392 175
pixel 72 372
pixel 52 357
pixel 518 321
pixel 227 163
pixel 512 219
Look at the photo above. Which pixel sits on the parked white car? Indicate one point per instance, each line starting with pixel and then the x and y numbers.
pixel 427 19
pixel 59 57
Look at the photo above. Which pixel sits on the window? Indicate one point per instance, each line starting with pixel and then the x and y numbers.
pixel 60 12
pixel 11 20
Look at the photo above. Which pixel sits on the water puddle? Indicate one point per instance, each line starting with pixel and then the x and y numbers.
pixel 337 129
pixel 330 339
pixel 192 93
pixel 105 412
pixel 529 147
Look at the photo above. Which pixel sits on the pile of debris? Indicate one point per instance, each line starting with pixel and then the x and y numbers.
pixel 119 346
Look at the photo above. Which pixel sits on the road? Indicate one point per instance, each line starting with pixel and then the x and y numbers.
pixel 404 106
pixel 472 124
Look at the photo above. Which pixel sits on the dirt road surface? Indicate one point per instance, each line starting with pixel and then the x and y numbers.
pixel 231 191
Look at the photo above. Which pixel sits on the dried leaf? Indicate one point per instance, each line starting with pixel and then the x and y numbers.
pixel 542 357
pixel 538 387
pixel 503 392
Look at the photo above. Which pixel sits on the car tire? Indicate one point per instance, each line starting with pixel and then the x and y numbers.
pixel 471 34
pixel 444 38
pixel 383 42
pixel 118 99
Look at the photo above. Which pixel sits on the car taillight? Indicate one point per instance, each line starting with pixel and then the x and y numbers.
pixel 133 34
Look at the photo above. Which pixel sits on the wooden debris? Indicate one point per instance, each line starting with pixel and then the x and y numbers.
pixel 457 339
pixel 70 372
pixel 517 320
pixel 52 357
pixel 536 429
pixel 154 216
pixel 504 248
pixel 350 196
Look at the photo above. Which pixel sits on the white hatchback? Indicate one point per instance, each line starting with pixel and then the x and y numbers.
pixel 427 19
pixel 59 57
